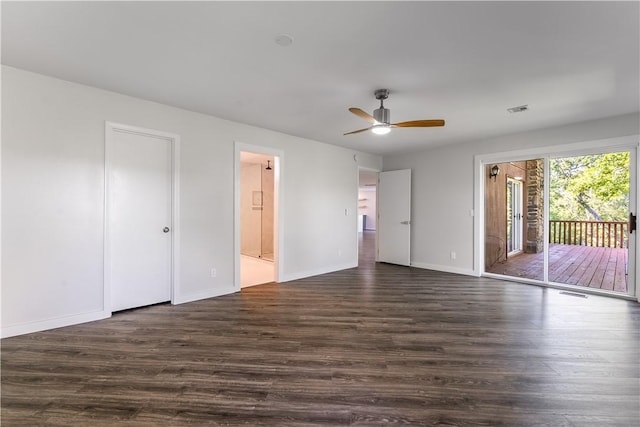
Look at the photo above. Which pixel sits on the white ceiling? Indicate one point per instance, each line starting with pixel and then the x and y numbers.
pixel 465 62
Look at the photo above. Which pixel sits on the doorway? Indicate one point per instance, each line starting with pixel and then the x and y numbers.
pixel 576 209
pixel 367 216
pixel 257 191
pixel 140 216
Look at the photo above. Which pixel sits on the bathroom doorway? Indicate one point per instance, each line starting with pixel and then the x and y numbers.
pixel 258 213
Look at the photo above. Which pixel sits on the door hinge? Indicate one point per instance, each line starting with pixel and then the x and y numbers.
pixel 632 223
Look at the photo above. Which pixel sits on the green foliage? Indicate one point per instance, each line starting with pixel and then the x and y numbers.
pixel 594 187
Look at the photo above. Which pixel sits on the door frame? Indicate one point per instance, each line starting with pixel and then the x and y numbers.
pixel 278 189
pixel 625 143
pixel 110 129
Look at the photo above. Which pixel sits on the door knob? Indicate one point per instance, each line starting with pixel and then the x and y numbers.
pixel 405 222
pixel 166 229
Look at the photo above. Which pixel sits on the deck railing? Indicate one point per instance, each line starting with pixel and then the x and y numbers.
pixel 605 234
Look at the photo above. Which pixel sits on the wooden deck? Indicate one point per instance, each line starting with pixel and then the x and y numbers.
pixel 602 268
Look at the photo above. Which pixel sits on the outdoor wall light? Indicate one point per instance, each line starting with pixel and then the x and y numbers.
pixel 495 170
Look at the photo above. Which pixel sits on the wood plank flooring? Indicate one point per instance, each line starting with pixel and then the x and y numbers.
pixel 375 345
pixel 593 267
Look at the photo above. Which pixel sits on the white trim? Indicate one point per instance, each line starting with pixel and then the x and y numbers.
pixel 317 272
pixel 1 302
pixel 174 139
pixel 175 219
pixel 444 268
pixel 632 274
pixel 478 211
pixel 624 143
pixel 279 243
pixel 546 197
pixel 58 322
pixel 574 149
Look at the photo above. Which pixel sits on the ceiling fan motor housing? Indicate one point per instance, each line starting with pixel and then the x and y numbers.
pixel 382 115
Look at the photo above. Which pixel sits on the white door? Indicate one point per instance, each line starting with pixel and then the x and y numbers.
pixel 139 264
pixel 514 216
pixel 394 217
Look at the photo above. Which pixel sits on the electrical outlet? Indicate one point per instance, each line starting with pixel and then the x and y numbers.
pixel 453 255
pixel 214 273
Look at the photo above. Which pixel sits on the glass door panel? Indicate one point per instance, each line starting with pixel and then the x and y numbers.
pixel 514 242
pixel 588 227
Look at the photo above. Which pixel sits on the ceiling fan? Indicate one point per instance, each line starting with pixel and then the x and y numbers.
pixel 380 120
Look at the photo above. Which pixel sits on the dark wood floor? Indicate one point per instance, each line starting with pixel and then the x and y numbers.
pixel 592 267
pixel 375 345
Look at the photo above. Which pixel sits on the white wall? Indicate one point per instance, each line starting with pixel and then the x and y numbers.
pixel 443 187
pixel 53 199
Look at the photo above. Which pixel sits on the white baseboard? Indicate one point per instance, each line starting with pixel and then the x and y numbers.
pixel 310 273
pixel 209 293
pixel 43 325
pixel 445 268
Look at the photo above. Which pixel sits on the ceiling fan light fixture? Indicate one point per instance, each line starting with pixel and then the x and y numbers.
pixel 381 119
pixel 381 129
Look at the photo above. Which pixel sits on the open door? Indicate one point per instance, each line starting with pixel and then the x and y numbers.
pixel 514 216
pixel 394 217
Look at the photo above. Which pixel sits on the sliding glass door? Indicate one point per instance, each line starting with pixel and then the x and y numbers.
pixel 562 220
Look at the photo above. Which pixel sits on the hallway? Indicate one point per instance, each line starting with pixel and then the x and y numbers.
pixel 366 248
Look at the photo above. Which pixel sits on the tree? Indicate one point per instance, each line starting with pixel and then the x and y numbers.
pixel 594 187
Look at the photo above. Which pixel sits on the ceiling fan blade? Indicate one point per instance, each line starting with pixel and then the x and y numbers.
pixel 360 113
pixel 358 131
pixel 418 124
